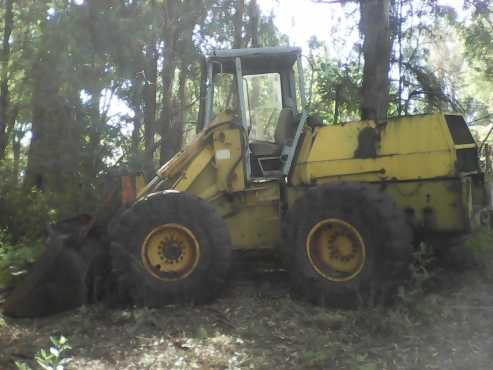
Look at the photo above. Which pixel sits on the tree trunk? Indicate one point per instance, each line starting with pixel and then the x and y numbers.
pixel 136 106
pixel 42 153
pixel 178 43
pixel 93 155
pixel 16 151
pixel 399 38
pixel 337 103
pixel 252 35
pixel 149 106
pixel 53 157
pixel 180 109
pixel 5 120
pixel 166 118
pixel 377 45
pixel 238 24
pixel 253 13
pixel 16 138
pixel 94 87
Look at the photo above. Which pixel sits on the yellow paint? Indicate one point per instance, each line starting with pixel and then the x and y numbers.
pixel 415 163
pixel 299 173
pixel 336 250
pixel 181 159
pixel 174 168
pixel 252 216
pixel 229 163
pixel 409 148
pixel 170 252
pixel 435 205
pixel 140 183
pixel 194 168
pixel 213 168
pixel 204 186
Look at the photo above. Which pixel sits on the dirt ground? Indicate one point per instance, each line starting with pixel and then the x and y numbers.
pixel 256 325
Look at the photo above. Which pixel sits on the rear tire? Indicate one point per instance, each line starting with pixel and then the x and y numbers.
pixel 348 245
pixel 170 247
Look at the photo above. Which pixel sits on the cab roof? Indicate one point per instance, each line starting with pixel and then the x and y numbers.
pixel 254 60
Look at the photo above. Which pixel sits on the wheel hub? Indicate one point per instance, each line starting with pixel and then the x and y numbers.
pixel 342 247
pixel 336 250
pixel 170 252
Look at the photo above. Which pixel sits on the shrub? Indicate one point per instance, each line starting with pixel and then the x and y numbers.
pixel 423 272
pixel 15 258
pixel 53 359
pixel 24 214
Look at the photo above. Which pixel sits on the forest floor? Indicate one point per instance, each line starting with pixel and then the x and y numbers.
pixel 256 325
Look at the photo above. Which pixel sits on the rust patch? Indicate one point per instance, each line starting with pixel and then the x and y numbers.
pixel 368 139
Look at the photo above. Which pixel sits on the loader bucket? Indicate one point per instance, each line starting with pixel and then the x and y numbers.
pixel 65 275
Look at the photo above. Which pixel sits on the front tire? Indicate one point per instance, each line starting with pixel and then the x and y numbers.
pixel 170 247
pixel 348 245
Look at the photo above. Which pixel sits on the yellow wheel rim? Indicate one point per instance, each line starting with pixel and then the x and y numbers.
pixel 170 252
pixel 336 250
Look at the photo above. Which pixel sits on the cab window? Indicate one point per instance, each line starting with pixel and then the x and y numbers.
pixel 263 104
pixel 225 94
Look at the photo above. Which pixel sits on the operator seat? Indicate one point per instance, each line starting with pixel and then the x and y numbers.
pixel 283 135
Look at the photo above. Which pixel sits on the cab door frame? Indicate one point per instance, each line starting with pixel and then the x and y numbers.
pixel 288 88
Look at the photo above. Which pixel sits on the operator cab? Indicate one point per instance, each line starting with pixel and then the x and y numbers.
pixel 263 89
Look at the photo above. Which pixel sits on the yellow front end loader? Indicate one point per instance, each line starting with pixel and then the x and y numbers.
pixel 344 205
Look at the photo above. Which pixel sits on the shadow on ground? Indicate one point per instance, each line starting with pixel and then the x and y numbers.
pixel 255 324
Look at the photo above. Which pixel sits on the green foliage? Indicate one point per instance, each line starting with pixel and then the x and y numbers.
pixel 423 260
pixel 86 83
pixel 88 97
pixel 481 242
pixel 202 333
pixel 14 258
pixel 23 219
pixel 52 359
pixel 317 359
pixel 25 212
pixel 423 271
pixel 362 362
pixel 478 36
pixel 338 87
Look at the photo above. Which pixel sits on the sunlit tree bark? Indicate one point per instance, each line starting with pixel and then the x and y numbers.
pixel 377 45
pixel 6 123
